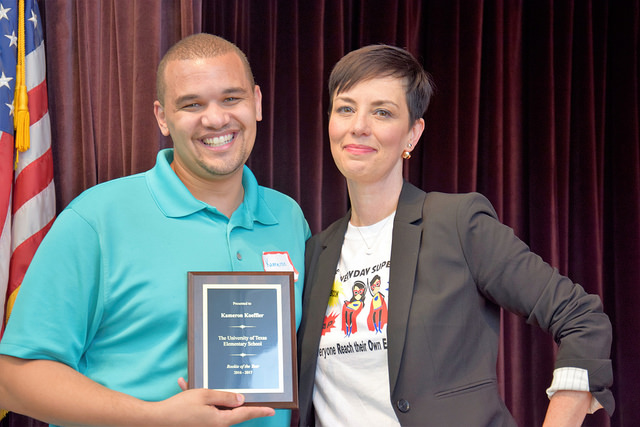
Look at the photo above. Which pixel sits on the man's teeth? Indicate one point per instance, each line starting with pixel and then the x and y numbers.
pixel 218 140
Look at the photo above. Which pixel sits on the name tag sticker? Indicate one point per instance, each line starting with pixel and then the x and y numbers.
pixel 278 261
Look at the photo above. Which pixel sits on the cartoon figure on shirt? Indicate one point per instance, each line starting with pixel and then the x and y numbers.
pixel 378 312
pixel 352 308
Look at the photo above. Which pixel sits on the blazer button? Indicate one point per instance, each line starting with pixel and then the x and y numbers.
pixel 403 405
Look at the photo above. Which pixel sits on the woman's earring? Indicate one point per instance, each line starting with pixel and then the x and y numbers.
pixel 406 155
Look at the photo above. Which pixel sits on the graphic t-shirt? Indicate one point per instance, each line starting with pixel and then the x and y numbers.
pixel 352 378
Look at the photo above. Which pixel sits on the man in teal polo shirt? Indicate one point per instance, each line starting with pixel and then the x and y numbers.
pixel 98 333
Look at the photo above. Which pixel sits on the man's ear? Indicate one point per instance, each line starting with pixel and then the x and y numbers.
pixel 158 111
pixel 257 97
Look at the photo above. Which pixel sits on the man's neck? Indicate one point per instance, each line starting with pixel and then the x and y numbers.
pixel 225 193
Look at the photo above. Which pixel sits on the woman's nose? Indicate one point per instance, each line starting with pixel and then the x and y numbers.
pixel 360 124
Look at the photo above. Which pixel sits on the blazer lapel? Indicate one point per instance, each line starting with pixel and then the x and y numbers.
pixel 407 236
pixel 320 288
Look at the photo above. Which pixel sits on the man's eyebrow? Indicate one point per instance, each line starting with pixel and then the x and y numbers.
pixel 185 98
pixel 239 90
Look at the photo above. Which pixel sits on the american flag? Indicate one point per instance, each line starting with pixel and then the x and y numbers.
pixel 27 193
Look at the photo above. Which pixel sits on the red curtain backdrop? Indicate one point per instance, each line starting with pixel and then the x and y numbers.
pixel 537 107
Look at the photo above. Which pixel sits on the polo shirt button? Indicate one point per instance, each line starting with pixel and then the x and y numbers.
pixel 403 405
pixel 239 256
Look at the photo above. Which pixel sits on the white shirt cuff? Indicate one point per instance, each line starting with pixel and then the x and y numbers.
pixel 575 379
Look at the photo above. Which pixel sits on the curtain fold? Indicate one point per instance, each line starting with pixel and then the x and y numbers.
pixel 536 107
pixel 622 200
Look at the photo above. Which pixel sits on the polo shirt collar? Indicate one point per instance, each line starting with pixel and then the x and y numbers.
pixel 253 208
pixel 175 200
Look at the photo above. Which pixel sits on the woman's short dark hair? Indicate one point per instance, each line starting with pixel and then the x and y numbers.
pixel 379 61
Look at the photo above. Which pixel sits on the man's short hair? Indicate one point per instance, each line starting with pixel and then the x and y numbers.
pixel 197 46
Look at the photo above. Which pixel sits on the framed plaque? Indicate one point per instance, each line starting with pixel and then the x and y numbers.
pixel 242 335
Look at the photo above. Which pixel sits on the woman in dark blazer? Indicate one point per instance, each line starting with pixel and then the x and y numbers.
pixel 418 344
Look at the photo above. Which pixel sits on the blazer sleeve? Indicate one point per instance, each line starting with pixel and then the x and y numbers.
pixel 508 273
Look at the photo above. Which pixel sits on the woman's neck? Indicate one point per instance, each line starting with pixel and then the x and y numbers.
pixel 371 203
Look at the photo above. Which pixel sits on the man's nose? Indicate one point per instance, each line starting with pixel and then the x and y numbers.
pixel 215 116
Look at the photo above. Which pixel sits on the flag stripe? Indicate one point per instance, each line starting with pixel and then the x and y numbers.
pixel 37 102
pixel 35 65
pixel 5 258
pixel 33 215
pixel 33 179
pixel 35 69
pixel 40 143
pixel 6 181
pixel 22 256
pixel 6 173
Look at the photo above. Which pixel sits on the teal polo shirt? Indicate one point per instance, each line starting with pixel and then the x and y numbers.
pixel 106 292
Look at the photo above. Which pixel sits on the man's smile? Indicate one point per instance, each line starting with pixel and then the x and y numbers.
pixel 218 141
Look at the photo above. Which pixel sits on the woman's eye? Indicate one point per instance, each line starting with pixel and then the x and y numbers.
pixel 344 109
pixel 382 113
